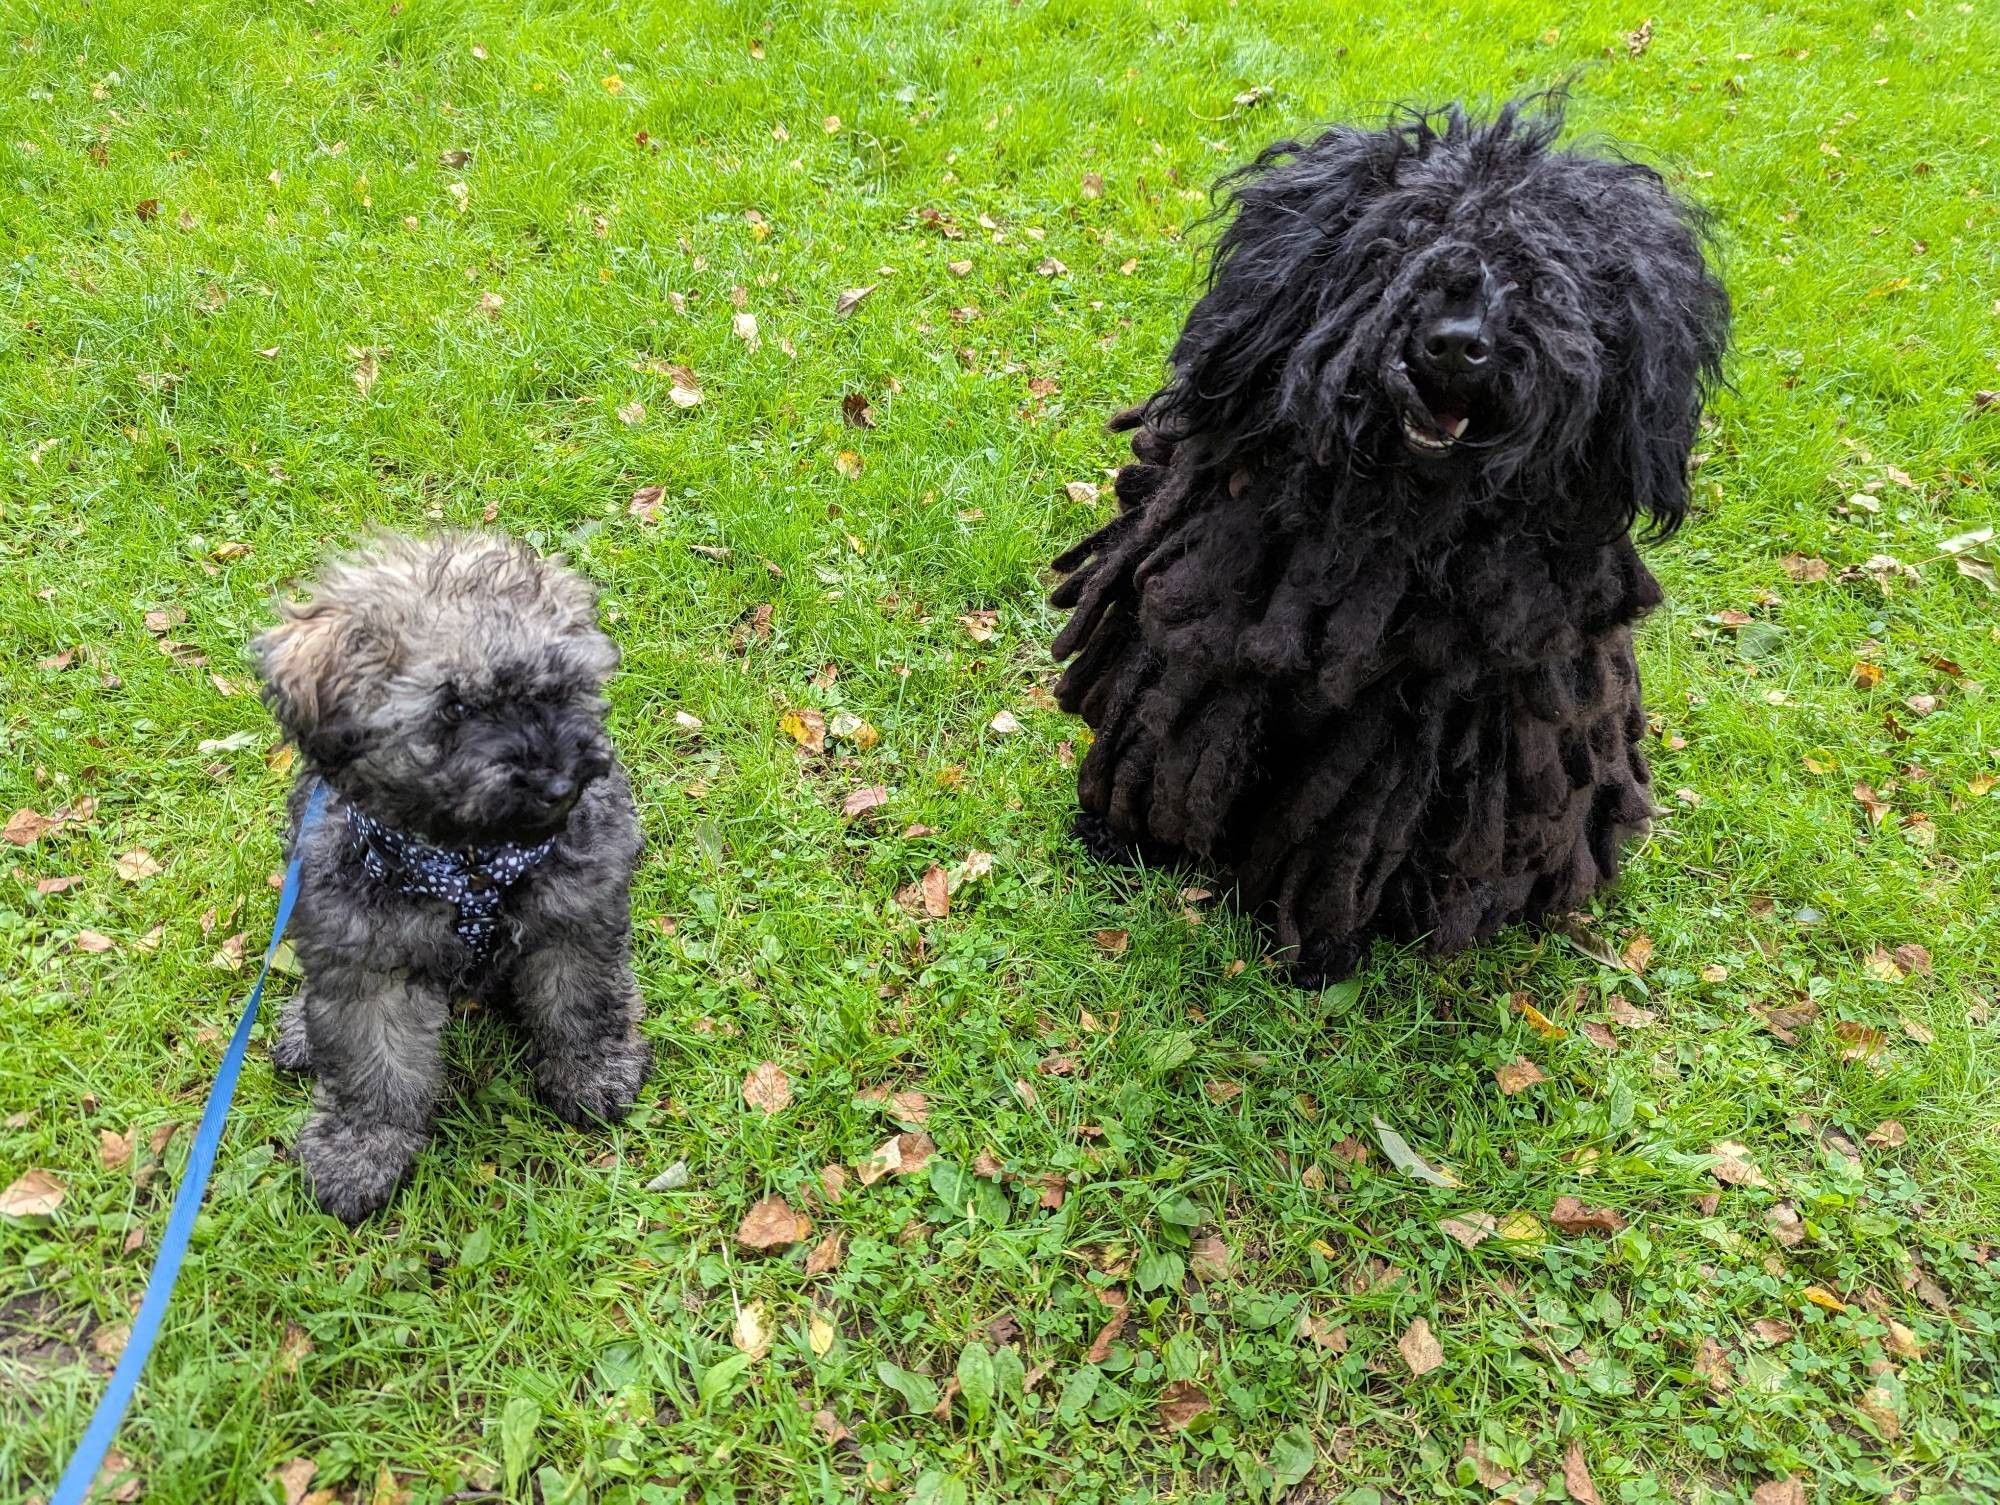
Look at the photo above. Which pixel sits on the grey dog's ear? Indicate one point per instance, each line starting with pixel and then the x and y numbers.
pixel 313 664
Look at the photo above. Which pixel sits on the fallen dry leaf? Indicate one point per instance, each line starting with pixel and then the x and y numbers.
pixel 1180 1403
pixel 819 1335
pixel 1711 1366
pixel 1084 492
pixel 1470 1229
pixel 1325 1333
pixel 855 412
pixel 1785 1225
pixel 806 727
pixel 1571 1216
pixel 1004 724
pixel 767 1087
pixel 114 1150
pixel 1598 1034
pixel 295 1478
pixel 1637 954
pixel 850 300
pixel 1420 1350
pixel 826 1254
pixel 1888 1135
pixel 1771 1330
pixel 860 802
pixel 832 1182
pixel 1785 1491
pixel 749 1334
pixel 92 943
pixel 1824 1299
pixel 1210 1260
pixel 1733 1165
pixel 1518 1075
pixel 1222 1092
pixel 1112 942
pixel 1484 1469
pixel 33 1194
pixel 1576 1476
pixel 772 1224
pixel 981 625
pixel 910 1108
pixel 1860 1042
pixel 1625 1013
pixel 829 1426
pixel 1803 568
pixel 1921 1033
pixel 1877 808
pixel 1539 1022
pixel 136 865
pixel 849 464
pixel 1100 1347
pixel 744 327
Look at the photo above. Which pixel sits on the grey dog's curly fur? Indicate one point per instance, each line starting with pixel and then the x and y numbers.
pixel 450 688
pixel 1384 679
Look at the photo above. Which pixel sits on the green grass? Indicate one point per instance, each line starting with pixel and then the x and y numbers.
pixel 180 428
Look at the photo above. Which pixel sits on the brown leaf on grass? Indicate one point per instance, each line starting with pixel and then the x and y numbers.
pixel 1888 1135
pixel 1878 1405
pixel 1733 1165
pixel 1785 1022
pixel 929 895
pixel 988 1166
pixel 1093 185
pixel 1711 1366
pixel 295 1478
pixel 860 802
pixel 33 1194
pixel 114 1150
pixel 829 1426
pixel 855 412
pixel 1004 724
pixel 981 625
pixel 47 886
pixel 1803 569
pixel 1055 1063
pixel 849 463
pixel 1921 1033
pixel 1877 808
pixel 826 1254
pixel 767 1087
pixel 832 1182
pixel 1860 1042
pixel 749 1334
pixel 1112 942
pixel 1572 1217
pixel 1100 1347
pixel 772 1224
pixel 1350 1151
pixel 645 505
pixel 1785 1491
pixel 1598 1034
pixel 806 727
pixel 909 1108
pixel 850 300
pixel 92 943
pixel 913 1152
pixel 1470 1229
pixel 1785 1225
pixel 1576 1476
pixel 1638 953
pixel 1222 1092
pixel 1626 1013
pixel 1324 1333
pixel 1771 1330
pixel 1055 1187
pixel 1484 1469
pixel 1420 1350
pixel 1518 1075
pixel 1210 1259
pixel 1081 492
pixel 1575 928
pixel 1180 1403
pixel 26 827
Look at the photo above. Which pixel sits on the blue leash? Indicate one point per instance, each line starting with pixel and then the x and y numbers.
pixel 97 1437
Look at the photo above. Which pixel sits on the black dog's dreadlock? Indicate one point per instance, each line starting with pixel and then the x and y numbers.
pixel 1360 632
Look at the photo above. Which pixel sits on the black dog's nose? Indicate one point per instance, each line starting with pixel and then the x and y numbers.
pixel 1456 343
pixel 558 787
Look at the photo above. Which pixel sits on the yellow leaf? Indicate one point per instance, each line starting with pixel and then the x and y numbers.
pixel 848 463
pixel 819 1335
pixel 613 84
pixel 1821 1297
pixel 1539 1022
pixel 1520 1228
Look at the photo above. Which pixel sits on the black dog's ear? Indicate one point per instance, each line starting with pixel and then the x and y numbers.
pixel 312 664
pixel 1668 359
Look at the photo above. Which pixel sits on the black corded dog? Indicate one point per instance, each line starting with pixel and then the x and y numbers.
pixel 1360 632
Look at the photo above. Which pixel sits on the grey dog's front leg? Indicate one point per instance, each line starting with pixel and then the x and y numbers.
pixel 374 1044
pixel 580 1003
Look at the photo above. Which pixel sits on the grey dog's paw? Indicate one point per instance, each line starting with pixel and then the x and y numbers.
pixel 600 1089
pixel 355 1168
pixel 291 1049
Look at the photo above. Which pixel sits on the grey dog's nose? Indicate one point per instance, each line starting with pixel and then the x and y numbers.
pixel 558 786
pixel 1456 343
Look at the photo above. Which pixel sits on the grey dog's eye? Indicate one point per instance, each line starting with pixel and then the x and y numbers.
pixel 456 709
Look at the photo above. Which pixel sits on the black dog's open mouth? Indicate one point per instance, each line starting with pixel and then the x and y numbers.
pixel 1438 424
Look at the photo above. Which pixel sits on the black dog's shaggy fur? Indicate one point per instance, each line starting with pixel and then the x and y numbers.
pixel 1360 631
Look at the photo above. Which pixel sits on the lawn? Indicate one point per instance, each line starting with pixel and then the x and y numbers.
pixel 590 273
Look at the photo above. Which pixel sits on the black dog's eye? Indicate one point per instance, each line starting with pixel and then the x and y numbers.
pixel 456 710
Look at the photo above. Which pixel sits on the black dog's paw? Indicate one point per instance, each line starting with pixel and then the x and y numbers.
pixel 1321 963
pixel 353 1168
pixel 597 1090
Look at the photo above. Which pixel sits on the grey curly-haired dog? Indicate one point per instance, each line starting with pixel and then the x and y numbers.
pixel 478 840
